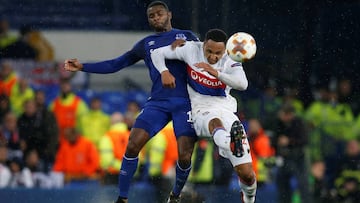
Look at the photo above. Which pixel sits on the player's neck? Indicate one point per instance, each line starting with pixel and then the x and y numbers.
pixel 166 29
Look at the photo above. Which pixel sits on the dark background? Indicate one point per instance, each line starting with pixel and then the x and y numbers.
pixel 301 43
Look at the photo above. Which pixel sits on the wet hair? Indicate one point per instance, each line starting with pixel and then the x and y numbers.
pixel 216 35
pixel 158 3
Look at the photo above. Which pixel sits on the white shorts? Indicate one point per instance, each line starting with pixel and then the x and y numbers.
pixel 202 117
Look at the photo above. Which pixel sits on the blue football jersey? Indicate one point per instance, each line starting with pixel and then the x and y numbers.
pixel 141 51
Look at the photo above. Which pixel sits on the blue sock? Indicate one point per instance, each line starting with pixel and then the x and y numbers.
pixel 127 171
pixel 181 177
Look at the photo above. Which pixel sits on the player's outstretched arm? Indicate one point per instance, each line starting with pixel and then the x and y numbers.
pixel 73 65
pixel 158 57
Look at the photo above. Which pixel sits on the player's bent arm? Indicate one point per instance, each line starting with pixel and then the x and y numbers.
pixel 159 55
pixel 236 79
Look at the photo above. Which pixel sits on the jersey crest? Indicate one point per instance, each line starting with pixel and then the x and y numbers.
pixel 180 36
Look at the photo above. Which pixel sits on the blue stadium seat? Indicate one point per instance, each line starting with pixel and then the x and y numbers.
pixel 51 91
pixel 113 101
pixel 86 95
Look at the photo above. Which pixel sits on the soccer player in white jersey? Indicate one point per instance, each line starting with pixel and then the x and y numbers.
pixel 211 75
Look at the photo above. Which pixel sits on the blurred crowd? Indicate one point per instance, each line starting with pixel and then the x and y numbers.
pixel 311 153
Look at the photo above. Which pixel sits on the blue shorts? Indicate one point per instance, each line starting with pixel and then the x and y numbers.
pixel 157 113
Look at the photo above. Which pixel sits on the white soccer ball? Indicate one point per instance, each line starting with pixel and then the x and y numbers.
pixel 241 47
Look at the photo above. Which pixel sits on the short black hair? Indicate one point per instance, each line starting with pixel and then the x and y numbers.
pixel 158 3
pixel 216 35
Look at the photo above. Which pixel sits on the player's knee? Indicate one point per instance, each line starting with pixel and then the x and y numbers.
pixel 215 123
pixel 132 149
pixel 248 177
pixel 184 160
pixel 246 173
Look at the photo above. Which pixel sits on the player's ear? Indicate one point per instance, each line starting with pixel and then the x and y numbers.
pixel 170 15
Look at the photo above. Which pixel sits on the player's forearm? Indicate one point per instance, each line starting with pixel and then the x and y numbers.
pixel 159 55
pixel 111 66
pixel 236 79
pixel 158 59
pixel 99 67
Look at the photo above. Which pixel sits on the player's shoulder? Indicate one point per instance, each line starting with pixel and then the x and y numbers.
pixel 228 62
pixel 185 34
pixel 193 45
pixel 182 31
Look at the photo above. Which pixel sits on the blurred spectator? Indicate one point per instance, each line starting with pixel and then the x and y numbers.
pixel 314 114
pixel 320 189
pixel 132 111
pixel 330 116
pixel 158 161
pixel 44 50
pixel 356 127
pixel 347 94
pixel 4 107
pixel 291 96
pixel 262 152
pixel 8 78
pixel 50 127
pixel 94 123
pixel 5 37
pixel 112 146
pixel 35 165
pixel 331 125
pixel 209 169
pixel 20 175
pixel 269 106
pixel 202 171
pixel 19 94
pixel 67 107
pixel 339 119
pixel 347 182
pixel 10 131
pixel 5 174
pixel 290 140
pixel 77 157
pixel 20 49
pixel 33 127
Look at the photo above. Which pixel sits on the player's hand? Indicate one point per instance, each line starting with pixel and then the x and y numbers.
pixel 72 65
pixel 177 43
pixel 208 68
pixel 167 79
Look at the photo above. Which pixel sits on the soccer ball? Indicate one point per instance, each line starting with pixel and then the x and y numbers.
pixel 241 47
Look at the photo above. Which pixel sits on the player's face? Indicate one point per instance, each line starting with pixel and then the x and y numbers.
pixel 159 18
pixel 213 51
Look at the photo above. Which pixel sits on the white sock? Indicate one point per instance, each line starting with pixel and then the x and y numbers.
pixel 221 138
pixel 249 191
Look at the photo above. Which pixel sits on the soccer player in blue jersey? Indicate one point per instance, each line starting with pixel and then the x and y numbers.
pixel 165 104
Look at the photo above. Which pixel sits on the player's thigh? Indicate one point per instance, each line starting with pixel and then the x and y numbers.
pixel 203 116
pixel 152 119
pixel 182 122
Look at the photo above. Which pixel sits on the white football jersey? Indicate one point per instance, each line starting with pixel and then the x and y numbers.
pixel 204 89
